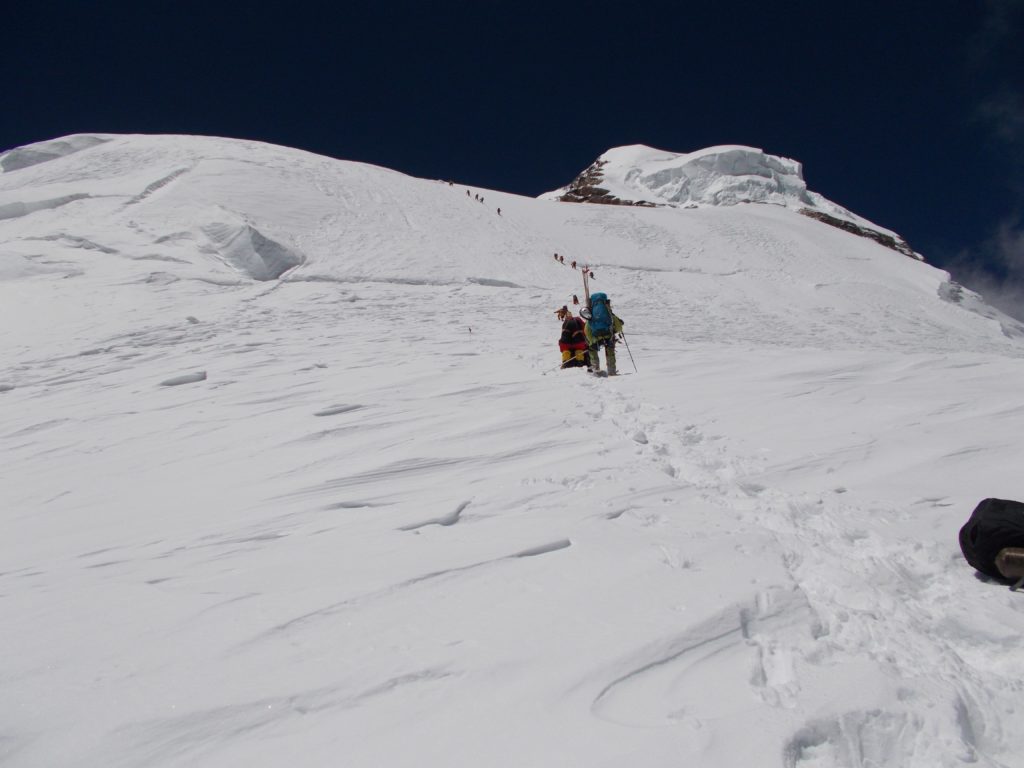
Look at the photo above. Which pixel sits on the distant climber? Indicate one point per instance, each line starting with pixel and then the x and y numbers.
pixel 499 211
pixel 573 341
pixel 603 326
pixel 573 265
pixel 467 193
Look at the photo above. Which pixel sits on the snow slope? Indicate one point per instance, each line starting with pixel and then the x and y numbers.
pixel 290 473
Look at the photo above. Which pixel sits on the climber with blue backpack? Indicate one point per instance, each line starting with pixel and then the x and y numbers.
pixel 603 326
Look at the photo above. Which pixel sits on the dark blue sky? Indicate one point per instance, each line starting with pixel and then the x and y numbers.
pixel 909 113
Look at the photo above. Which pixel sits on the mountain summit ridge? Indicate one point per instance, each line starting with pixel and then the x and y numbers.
pixel 725 175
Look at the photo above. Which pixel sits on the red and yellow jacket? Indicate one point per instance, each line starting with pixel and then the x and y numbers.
pixel 573 336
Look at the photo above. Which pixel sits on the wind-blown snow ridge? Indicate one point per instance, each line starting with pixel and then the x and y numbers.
pixel 42 152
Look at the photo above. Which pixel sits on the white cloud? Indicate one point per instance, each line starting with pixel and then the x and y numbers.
pixel 994 58
pixel 1004 112
pixel 1009 244
pixel 995 269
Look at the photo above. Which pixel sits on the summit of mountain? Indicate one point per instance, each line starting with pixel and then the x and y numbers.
pixel 725 175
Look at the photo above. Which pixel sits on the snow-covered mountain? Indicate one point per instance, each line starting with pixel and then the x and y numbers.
pixel 291 473
pixel 726 175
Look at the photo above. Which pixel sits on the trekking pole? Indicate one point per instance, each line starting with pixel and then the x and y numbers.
pixel 623 335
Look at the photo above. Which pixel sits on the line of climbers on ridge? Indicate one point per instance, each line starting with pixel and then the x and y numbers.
pixel 582 337
pixel 478 197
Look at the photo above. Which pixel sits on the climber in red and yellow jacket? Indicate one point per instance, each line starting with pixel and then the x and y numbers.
pixel 573 342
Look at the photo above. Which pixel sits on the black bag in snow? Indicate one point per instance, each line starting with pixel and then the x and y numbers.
pixel 994 525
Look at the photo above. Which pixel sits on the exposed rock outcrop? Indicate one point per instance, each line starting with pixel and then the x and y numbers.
pixel 585 189
pixel 895 242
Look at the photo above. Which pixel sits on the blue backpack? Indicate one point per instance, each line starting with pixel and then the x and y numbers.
pixel 600 315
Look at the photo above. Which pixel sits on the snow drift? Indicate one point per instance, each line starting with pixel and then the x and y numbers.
pixel 291 473
pixel 24 157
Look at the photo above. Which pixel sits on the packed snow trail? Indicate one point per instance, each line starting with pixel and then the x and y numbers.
pixel 384 529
